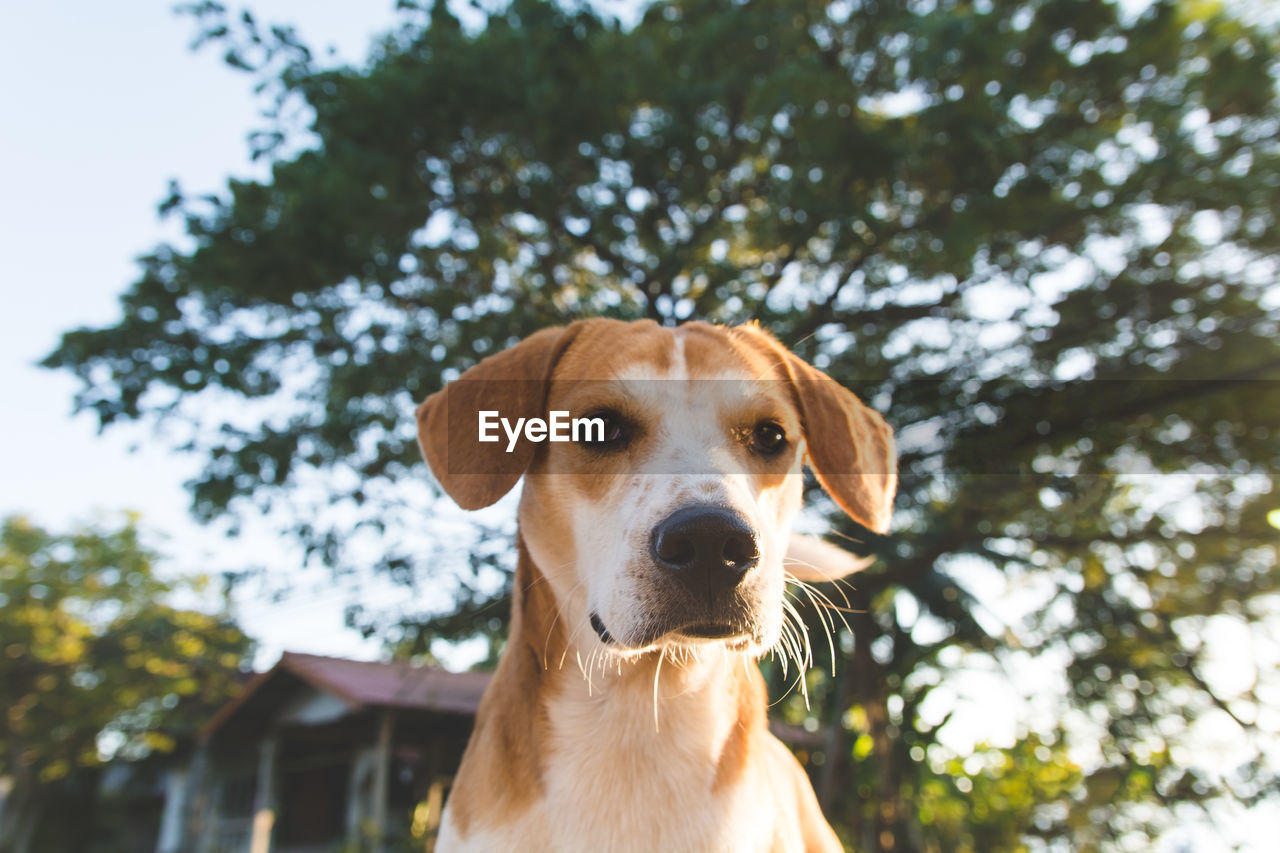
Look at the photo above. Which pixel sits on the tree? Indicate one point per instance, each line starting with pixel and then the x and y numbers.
pixel 95 662
pixel 1039 236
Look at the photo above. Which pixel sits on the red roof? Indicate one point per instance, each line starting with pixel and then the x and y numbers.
pixel 373 684
pixel 370 684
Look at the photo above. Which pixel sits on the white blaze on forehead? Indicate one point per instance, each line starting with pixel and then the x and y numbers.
pixel 687 416
pixel 686 410
pixel 643 371
pixel 679 367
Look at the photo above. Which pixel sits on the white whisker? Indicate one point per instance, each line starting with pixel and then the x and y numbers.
pixel 828 624
pixel 559 613
pixel 657 673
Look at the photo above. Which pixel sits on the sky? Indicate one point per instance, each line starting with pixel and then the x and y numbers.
pixel 103 104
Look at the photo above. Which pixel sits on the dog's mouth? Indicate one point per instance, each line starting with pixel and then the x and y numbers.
pixel 603 633
pixel 710 631
pixel 735 636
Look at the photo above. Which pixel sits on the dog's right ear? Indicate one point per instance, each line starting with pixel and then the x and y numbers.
pixel 512 383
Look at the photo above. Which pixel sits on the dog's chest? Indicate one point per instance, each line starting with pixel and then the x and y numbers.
pixel 615 780
pixel 630 778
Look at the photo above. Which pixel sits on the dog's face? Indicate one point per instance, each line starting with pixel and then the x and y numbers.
pixel 667 526
pixel 672 529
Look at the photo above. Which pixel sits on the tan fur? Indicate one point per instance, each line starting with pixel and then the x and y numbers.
pixel 503 759
pixel 643 744
pixel 740 748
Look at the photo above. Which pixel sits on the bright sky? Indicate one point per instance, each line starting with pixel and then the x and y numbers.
pixel 103 104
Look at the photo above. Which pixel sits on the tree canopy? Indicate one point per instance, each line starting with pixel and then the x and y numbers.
pixel 96 661
pixel 1039 236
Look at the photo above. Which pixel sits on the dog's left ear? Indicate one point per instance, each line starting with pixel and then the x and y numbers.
pixel 512 383
pixel 850 447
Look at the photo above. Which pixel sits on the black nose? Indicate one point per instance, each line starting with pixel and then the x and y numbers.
pixel 707 547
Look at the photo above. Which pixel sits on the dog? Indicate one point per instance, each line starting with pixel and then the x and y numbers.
pixel 651 558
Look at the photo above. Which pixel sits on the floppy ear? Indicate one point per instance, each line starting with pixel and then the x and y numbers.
pixel 850 447
pixel 512 383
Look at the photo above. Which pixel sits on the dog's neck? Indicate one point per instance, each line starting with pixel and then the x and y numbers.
pixel 560 721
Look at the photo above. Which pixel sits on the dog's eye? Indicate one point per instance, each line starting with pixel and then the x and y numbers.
pixel 768 438
pixel 605 430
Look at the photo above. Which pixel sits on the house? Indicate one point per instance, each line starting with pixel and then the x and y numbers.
pixel 324 754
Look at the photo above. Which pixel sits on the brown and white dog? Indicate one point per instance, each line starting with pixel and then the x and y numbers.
pixel 652 559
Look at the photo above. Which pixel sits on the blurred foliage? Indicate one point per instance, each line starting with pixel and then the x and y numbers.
pixel 1040 236
pixel 96 663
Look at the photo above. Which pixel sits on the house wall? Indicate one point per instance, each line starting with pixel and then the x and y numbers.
pixel 332 766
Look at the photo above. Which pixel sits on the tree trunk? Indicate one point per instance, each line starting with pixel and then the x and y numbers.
pixel 871 692
pixel 835 748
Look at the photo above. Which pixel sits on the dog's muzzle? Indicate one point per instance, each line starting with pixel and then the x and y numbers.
pixel 703 555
